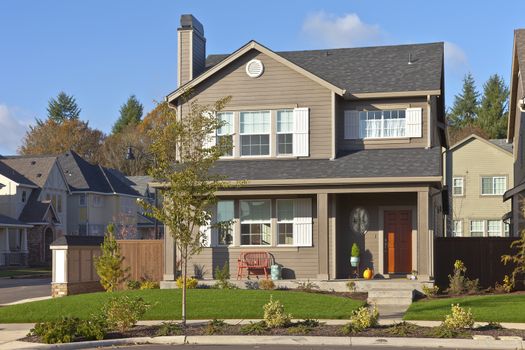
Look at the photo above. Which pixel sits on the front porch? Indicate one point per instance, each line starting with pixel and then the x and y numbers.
pixel 13 246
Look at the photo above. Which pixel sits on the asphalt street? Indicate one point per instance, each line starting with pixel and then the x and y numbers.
pixel 15 289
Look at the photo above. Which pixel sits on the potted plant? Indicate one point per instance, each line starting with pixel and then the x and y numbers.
pixel 354 256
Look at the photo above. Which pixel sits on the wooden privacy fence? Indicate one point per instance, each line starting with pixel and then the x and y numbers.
pixel 144 257
pixel 74 258
pixel 481 255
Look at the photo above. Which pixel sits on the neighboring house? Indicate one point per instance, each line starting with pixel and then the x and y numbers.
pixel 147 226
pixel 336 146
pixel 478 173
pixel 516 133
pixel 33 204
pixel 98 196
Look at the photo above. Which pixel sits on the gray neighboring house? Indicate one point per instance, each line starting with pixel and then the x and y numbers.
pixel 337 146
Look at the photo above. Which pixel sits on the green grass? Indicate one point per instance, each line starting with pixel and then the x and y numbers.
pixel 202 304
pixel 495 308
pixel 25 271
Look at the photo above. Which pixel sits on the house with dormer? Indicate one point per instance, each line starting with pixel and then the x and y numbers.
pixel 336 146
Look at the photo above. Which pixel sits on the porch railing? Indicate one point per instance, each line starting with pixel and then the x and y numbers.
pixel 15 259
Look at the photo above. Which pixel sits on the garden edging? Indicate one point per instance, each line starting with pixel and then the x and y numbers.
pixel 299 340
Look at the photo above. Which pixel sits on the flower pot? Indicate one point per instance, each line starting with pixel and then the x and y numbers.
pixel 354 261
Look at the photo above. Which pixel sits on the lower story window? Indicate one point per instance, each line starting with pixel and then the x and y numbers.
pixel 255 222
pixel 494 228
pixel 457 228
pixel 225 217
pixel 256 234
pixel 255 145
pixel 285 221
pixel 477 228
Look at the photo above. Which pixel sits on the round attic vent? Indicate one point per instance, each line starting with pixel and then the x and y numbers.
pixel 254 68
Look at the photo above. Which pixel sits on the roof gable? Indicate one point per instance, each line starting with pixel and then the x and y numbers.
pixel 497 144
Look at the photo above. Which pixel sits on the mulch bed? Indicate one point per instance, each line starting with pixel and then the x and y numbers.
pixel 321 330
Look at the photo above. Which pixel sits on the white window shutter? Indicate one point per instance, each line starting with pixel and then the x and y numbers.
pixel 211 138
pixel 301 131
pixel 351 125
pixel 302 222
pixel 414 118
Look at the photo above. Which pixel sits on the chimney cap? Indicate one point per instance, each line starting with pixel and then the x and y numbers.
pixel 190 22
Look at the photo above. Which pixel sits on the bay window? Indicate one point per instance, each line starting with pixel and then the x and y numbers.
pixel 255 133
pixel 285 132
pixel 255 222
pixel 285 218
pixel 382 124
pixel 226 130
pixel 225 216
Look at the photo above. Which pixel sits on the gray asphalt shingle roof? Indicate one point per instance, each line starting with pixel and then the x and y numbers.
pixel 371 69
pixel 503 144
pixel 36 169
pixel 409 162
pixel 34 210
pixel 6 220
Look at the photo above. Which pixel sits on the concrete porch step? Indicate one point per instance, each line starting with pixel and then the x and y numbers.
pixel 391 294
pixel 390 301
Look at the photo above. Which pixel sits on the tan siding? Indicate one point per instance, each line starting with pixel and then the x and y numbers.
pixel 278 86
pixel 184 64
pixel 376 104
pixel 472 161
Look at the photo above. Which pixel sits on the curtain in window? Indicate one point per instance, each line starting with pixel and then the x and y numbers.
pixel 486 185
pixel 499 185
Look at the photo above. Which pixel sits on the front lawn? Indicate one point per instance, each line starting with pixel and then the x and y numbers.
pixel 495 308
pixel 202 304
pixel 25 271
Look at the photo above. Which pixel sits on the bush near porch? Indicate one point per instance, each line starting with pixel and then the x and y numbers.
pixel 202 304
pixel 490 308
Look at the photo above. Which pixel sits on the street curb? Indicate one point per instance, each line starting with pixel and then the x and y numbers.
pixel 28 300
pixel 298 340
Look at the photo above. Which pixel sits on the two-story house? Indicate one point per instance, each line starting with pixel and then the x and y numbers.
pixel 336 146
pixel 98 196
pixel 516 131
pixel 476 187
pixel 33 204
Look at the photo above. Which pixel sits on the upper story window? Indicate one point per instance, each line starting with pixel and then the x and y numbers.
pixel 285 132
pixel 226 130
pixel 458 186
pixel 98 200
pixel 82 200
pixel 255 133
pixel 493 185
pixel 383 124
pixel 24 196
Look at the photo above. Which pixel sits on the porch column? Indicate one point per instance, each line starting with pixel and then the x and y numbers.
pixel 322 236
pixel 23 245
pixel 424 253
pixel 170 258
pixel 5 247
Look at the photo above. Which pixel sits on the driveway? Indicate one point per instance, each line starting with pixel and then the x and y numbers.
pixel 12 290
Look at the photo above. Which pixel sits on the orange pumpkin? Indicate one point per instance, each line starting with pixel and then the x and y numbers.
pixel 368 274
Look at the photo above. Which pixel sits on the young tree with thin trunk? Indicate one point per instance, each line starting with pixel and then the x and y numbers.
pixel 185 154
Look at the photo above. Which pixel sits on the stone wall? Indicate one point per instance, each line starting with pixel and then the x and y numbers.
pixel 63 289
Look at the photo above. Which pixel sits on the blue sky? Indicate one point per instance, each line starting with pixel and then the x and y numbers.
pixel 103 51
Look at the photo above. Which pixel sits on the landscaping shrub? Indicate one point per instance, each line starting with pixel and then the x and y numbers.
pixel 215 327
pixel 191 283
pixel 266 284
pixel 63 330
pixel 445 332
pixel 361 319
pixel 517 259
pixel 149 285
pixel 490 326
pixel 309 323
pixel 459 283
pixel 430 292
pixel 254 328
pixel 274 314
pixel 169 329
pixel 109 263
pixel 459 318
pixel 402 329
pixel 251 285
pixel 505 287
pixel 123 312
pixel 133 285
pixel 306 286
pixel 299 329
pixel 222 275
pixel 94 328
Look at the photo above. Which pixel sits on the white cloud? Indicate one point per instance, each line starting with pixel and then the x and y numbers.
pixel 12 129
pixel 343 31
pixel 455 57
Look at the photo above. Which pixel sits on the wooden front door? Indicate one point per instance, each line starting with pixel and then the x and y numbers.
pixel 398 233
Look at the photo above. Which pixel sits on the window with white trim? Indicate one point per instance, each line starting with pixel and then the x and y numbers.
pixel 458 186
pixel 82 200
pixel 494 228
pixel 255 128
pixel 477 228
pixel 506 229
pixel 255 222
pixel 457 228
pixel 98 201
pixel 225 217
pixel 285 132
pixel 382 124
pixel 285 221
pixel 493 185
pixel 226 130
pixel 96 230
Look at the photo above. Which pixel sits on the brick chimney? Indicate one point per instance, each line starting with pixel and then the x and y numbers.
pixel 192 49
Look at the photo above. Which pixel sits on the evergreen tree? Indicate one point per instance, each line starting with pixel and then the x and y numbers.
pixel 130 114
pixel 492 115
pixel 109 263
pixel 464 110
pixel 63 108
